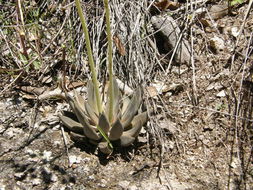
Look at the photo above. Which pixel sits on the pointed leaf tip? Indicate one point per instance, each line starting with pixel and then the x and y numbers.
pixel 132 108
pixel 103 123
pixel 126 140
pixel 91 99
pixel 137 124
pixel 116 131
pixel 88 130
pixel 71 124
pixel 92 114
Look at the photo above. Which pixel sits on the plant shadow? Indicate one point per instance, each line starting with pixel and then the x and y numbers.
pixel 125 153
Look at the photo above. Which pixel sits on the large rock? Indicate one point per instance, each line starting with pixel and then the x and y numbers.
pixel 169 29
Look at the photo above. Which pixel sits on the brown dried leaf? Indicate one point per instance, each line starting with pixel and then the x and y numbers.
pixel 152 91
pixel 56 93
pixel 205 22
pixel 28 96
pixel 33 90
pixel 75 84
pixel 218 11
pixel 47 79
pixel 166 4
pixel 119 45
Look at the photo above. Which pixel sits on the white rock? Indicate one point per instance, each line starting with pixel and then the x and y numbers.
pixel 32 153
pixel 91 177
pixel 47 155
pixel 215 86
pixel 2 128
pixel 36 182
pixel 57 143
pixel 13 132
pixel 132 187
pixel 217 43
pixel 19 175
pixel 124 184
pixel 235 163
pixel 235 31
pixel 221 94
pixel 74 159
pixel 42 127
pixel 54 178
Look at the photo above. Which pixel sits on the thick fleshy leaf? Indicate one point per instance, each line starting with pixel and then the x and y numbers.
pixel 104 148
pixel 103 123
pixel 132 108
pixel 88 130
pixel 139 119
pixel 91 114
pixel 137 124
pixel 85 116
pixel 77 137
pixel 79 99
pixel 116 131
pixel 92 97
pixel 117 98
pixel 93 142
pixel 71 124
pixel 126 101
pixel 126 140
pixel 116 101
pixel 71 115
pixel 70 100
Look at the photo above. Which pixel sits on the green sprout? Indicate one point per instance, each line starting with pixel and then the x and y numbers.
pixel 235 2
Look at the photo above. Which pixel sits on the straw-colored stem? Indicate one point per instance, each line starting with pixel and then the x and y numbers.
pixel 110 64
pixel 90 57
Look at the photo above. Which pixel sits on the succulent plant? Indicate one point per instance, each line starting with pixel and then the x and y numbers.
pixel 119 120
pixel 86 120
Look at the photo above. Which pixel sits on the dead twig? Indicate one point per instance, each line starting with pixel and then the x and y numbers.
pixel 194 87
pixel 21 29
pixel 65 144
pixel 12 83
pixel 240 32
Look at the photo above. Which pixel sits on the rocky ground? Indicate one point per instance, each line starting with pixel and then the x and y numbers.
pixel 199 133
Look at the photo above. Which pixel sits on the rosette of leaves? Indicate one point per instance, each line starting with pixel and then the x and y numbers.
pixel 123 127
